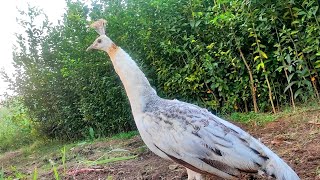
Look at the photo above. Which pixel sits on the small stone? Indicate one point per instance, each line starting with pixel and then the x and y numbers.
pixel 120 173
pixel 173 166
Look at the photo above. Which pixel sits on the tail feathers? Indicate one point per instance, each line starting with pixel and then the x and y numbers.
pixel 274 166
pixel 278 169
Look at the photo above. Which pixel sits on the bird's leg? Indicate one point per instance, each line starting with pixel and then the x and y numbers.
pixel 194 175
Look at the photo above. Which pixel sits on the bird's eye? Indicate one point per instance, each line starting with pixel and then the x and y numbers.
pixel 99 40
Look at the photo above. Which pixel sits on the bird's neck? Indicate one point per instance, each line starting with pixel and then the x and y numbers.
pixel 138 88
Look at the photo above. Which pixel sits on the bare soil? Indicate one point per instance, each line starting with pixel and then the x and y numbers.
pixel 295 138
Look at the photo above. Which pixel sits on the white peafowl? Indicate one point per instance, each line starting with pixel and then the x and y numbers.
pixel 187 134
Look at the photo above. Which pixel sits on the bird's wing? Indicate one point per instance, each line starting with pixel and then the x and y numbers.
pixel 202 142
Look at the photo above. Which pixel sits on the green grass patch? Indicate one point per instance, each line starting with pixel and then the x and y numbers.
pixel 251 117
pixel 1 173
pixel 263 118
pixel 41 147
pixel 125 135
pixel 17 174
pixel 110 160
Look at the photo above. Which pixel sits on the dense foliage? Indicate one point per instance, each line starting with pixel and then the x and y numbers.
pixel 16 127
pixel 70 92
pixel 225 55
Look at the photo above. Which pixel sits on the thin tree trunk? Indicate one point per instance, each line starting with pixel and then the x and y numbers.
pixel 277 99
pixel 270 94
pixel 209 89
pixel 246 106
pixel 264 70
pixel 253 89
pixel 313 81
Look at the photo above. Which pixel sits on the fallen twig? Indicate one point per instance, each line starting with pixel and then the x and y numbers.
pixel 314 123
pixel 84 170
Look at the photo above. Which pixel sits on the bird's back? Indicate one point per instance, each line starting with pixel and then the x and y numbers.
pixel 205 143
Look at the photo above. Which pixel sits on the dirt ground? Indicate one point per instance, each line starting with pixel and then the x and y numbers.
pixel 296 139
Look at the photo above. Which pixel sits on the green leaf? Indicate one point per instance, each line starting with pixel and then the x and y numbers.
pixel 56 173
pixel 290 68
pixel 251 34
pixel 35 174
pixel 260 65
pixel 197 23
pixel 191 23
pixel 302 13
pixel 288 86
pixel 1 173
pixel 262 46
pixel 314 9
pixel 279 69
pixel 263 54
pixel 255 58
pixel 297 93
pixel 290 77
pixel 317 66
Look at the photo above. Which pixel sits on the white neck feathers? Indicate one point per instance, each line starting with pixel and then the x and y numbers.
pixel 137 86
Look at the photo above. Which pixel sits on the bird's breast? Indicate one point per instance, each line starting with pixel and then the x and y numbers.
pixel 146 127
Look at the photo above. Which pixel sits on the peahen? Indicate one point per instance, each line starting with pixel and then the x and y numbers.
pixel 185 133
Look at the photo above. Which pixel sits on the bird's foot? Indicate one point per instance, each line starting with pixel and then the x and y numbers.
pixel 194 175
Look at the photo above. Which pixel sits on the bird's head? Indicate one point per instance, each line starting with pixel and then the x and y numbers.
pixel 102 42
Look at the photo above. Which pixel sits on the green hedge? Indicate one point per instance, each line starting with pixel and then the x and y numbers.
pixel 225 55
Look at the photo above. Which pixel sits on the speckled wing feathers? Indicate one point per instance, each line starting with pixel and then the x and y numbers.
pixel 193 136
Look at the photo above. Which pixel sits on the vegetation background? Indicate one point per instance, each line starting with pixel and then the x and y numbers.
pixel 224 55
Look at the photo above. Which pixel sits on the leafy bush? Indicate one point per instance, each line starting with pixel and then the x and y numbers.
pixel 15 126
pixel 225 55
pixel 67 90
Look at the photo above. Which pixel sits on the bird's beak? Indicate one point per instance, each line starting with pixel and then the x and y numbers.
pixel 90 48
